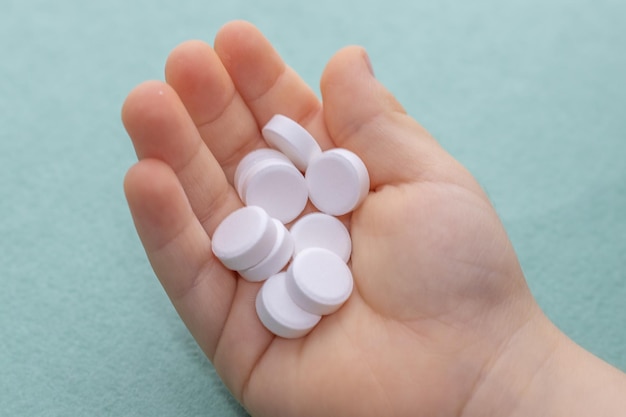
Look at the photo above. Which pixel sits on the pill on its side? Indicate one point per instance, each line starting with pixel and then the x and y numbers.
pixel 291 139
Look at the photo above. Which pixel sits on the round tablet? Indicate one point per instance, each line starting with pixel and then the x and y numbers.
pixel 338 181
pixel 244 238
pixel 277 258
pixel 293 140
pixel 319 230
pixel 244 178
pixel 278 187
pixel 250 160
pixel 319 281
pixel 279 314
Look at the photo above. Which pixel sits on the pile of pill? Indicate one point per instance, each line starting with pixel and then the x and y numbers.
pixel 275 185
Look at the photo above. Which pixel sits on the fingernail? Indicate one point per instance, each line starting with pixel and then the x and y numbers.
pixel 368 62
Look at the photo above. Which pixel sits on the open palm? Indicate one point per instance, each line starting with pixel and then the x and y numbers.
pixel 438 288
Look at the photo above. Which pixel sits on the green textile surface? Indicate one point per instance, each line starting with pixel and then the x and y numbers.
pixel 529 94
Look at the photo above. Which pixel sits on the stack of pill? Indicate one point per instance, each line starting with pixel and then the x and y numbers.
pixel 275 184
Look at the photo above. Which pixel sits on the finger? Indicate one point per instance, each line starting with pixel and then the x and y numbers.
pixel 363 116
pixel 178 248
pixel 265 83
pixel 221 116
pixel 161 128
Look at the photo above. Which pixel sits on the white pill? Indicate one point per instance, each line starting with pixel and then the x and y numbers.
pixel 244 178
pixel 244 238
pixel 279 314
pixel 319 230
pixel 277 258
pixel 250 160
pixel 293 140
pixel 319 281
pixel 338 181
pixel 278 187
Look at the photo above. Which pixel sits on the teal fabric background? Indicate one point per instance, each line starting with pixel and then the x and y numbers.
pixel 529 94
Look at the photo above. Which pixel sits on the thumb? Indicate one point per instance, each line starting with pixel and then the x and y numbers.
pixel 363 116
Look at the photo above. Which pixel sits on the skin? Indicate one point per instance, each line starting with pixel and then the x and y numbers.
pixel 441 321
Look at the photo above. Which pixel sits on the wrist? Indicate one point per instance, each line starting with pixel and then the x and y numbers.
pixel 540 371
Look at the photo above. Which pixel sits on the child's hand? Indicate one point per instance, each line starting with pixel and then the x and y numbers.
pixel 440 317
